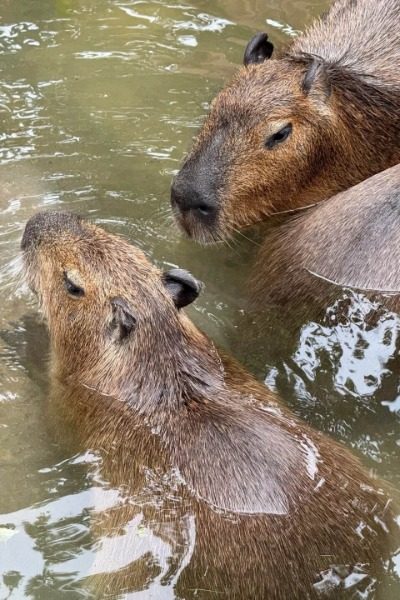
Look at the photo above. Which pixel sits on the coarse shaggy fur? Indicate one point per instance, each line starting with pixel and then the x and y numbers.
pixel 235 494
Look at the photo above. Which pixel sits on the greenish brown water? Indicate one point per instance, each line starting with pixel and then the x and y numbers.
pixel 98 102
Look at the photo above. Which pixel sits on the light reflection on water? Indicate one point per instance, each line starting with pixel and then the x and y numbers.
pixel 355 351
pixel 341 373
pixel 98 102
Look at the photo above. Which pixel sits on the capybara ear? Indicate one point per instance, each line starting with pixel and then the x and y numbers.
pixel 258 49
pixel 316 79
pixel 123 321
pixel 182 286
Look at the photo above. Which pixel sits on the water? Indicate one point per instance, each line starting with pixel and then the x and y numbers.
pixel 98 102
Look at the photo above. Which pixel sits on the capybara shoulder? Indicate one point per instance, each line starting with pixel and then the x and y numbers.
pixel 269 507
pixel 295 129
pixel 351 240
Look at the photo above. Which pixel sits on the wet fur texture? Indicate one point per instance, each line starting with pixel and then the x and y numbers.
pixel 350 240
pixel 338 85
pixel 250 502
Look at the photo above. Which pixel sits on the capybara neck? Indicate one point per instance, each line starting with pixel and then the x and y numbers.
pixel 168 365
pixel 308 262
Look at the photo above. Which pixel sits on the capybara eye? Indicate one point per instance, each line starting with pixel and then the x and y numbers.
pixel 279 137
pixel 72 288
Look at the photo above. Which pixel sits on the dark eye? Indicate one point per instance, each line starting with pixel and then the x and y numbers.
pixel 279 137
pixel 72 288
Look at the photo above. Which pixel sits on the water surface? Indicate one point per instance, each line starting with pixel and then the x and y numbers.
pixel 98 102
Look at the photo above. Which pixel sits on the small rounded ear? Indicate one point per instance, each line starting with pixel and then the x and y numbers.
pixel 315 79
pixel 123 321
pixel 182 286
pixel 258 50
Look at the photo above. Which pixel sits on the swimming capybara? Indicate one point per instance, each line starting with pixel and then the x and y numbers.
pixel 227 494
pixel 296 129
pixel 350 240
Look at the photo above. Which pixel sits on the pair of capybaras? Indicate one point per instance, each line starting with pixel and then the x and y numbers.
pixel 267 507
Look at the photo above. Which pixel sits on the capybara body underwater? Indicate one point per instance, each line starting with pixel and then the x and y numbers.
pixel 227 494
pixel 295 129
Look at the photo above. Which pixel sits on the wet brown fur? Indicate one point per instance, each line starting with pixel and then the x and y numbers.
pixel 203 455
pixel 339 86
pixel 350 240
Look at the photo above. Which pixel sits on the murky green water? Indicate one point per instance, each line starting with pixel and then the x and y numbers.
pixel 98 102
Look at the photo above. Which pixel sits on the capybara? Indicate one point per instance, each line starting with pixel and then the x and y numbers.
pixel 251 502
pixel 296 129
pixel 350 240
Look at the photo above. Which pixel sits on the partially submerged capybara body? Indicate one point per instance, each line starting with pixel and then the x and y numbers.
pixel 235 497
pixel 296 129
pixel 351 240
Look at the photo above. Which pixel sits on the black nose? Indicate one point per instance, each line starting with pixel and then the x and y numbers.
pixel 187 198
pixel 44 224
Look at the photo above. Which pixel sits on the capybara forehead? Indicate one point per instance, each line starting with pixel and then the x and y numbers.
pixel 66 239
pixel 257 91
pixel 111 256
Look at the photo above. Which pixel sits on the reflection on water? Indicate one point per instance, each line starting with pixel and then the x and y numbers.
pixel 342 375
pixel 98 101
pixel 354 347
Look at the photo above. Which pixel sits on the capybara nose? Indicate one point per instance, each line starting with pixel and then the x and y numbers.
pixel 32 231
pixel 186 198
pixel 45 223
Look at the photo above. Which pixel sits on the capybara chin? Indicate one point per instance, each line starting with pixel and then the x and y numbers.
pixel 269 508
pixel 296 129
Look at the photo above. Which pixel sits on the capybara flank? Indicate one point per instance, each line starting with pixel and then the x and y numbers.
pixel 251 503
pixel 350 240
pixel 295 129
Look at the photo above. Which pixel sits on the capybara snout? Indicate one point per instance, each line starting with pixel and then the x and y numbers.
pixel 45 224
pixel 194 192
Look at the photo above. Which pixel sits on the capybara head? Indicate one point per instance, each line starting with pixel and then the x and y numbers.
pixel 291 131
pixel 265 140
pixel 103 300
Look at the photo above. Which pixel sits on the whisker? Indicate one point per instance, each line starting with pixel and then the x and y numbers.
pixel 352 286
pixel 290 211
pixel 237 231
